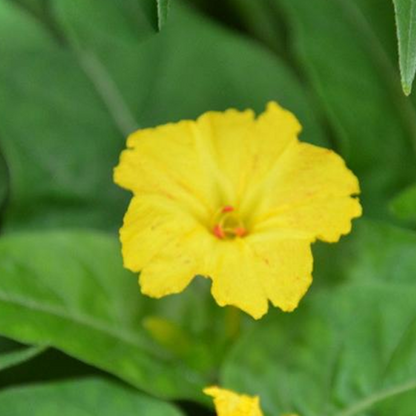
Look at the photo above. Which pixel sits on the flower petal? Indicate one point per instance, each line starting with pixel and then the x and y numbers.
pixel 167 161
pixel 325 218
pixel 150 225
pixel 173 268
pixel 228 403
pixel 244 149
pixel 309 191
pixel 274 131
pixel 286 268
pixel 234 271
pixel 226 136
pixel 247 273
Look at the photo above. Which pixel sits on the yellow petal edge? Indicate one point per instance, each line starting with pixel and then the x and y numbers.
pixel 228 403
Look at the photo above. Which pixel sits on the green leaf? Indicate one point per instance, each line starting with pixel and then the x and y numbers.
pixel 162 12
pixel 227 75
pixel 263 23
pixel 61 173
pixel 15 357
pixel 4 184
pixel 356 83
pixel 405 13
pixel 69 290
pixel 81 397
pixel 346 351
pixel 404 204
pixel 107 21
pixel 48 366
pixel 58 142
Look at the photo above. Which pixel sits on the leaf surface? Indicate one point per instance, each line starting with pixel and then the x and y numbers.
pixel 81 397
pixel 405 13
pixel 350 69
pixel 69 290
pixel 70 95
pixel 348 350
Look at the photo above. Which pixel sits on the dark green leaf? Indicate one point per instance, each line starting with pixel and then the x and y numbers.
pixel 262 22
pixel 347 351
pixel 4 183
pixel 68 290
pixel 405 12
pixel 68 105
pixel 162 12
pixel 404 204
pixel 57 139
pixel 106 20
pixel 92 397
pixel 15 357
pixel 48 366
pixel 233 72
pixel 356 82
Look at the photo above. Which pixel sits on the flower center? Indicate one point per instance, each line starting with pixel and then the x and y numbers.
pixel 227 224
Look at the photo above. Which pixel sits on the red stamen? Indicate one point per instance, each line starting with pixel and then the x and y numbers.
pixel 218 231
pixel 228 208
pixel 240 231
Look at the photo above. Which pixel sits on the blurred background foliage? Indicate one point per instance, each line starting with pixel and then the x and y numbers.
pixel 76 77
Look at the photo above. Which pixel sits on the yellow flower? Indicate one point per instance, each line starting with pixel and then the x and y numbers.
pixel 228 403
pixel 236 199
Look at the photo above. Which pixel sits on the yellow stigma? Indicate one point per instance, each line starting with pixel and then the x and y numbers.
pixel 227 224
